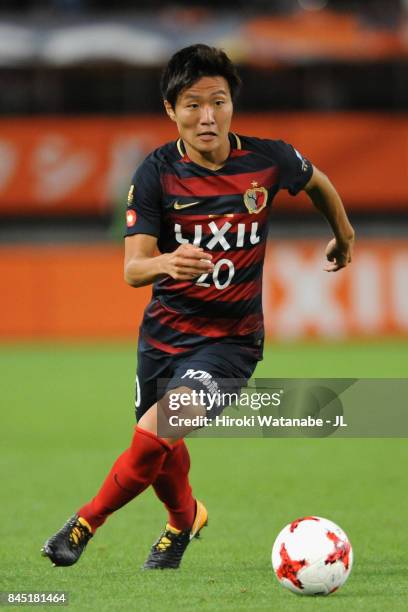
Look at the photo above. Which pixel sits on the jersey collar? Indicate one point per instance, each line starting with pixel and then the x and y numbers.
pixel 234 139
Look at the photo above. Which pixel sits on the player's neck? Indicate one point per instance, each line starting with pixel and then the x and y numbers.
pixel 213 160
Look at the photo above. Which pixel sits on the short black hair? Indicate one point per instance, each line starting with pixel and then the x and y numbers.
pixel 190 64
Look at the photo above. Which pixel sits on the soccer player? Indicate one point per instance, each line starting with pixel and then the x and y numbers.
pixel 203 202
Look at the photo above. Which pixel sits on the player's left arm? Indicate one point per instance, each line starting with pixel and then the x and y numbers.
pixel 326 199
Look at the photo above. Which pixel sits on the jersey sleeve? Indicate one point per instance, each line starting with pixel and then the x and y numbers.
pixel 295 171
pixel 144 201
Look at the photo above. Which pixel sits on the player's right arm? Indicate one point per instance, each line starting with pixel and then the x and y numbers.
pixel 143 266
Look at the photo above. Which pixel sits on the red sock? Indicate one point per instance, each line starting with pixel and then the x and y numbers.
pixel 133 471
pixel 173 488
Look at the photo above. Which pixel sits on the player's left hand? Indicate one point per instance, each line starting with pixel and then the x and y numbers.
pixel 339 254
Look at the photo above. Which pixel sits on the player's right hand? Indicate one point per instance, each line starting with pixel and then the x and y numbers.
pixel 187 262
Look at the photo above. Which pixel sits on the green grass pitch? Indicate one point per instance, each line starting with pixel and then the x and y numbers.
pixel 67 413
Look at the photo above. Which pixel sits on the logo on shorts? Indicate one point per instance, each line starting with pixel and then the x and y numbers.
pixel 204 377
pixel 196 374
pixel 255 199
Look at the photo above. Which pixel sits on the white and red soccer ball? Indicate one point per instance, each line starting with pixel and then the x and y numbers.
pixel 312 556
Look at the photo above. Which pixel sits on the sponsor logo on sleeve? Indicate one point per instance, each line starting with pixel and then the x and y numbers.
pixel 130 218
pixel 304 161
pixel 130 195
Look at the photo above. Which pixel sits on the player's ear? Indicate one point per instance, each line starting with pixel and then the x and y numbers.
pixel 169 110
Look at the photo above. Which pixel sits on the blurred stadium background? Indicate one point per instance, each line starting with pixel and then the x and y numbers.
pixel 80 108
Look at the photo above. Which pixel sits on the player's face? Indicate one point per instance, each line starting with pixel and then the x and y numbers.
pixel 203 114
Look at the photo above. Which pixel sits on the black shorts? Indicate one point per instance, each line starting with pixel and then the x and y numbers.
pixel 225 362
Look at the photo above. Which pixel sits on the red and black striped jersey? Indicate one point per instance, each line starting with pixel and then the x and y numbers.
pixel 225 211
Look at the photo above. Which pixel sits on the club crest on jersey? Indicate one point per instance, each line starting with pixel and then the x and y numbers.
pixel 255 198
